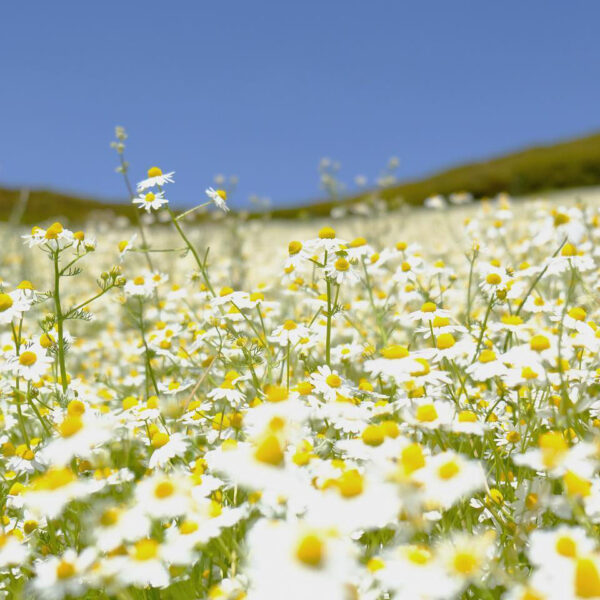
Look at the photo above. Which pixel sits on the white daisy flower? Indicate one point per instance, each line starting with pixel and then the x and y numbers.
pixel 150 201
pixel 12 306
pixel 31 363
pixel 155 178
pixel 219 197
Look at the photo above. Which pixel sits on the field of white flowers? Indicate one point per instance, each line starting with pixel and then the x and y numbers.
pixel 403 406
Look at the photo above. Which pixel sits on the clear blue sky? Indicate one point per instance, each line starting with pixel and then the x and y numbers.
pixel 264 89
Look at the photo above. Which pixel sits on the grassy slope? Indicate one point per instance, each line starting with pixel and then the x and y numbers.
pixel 575 163
pixel 44 205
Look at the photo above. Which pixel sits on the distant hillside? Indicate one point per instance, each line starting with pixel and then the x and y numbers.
pixel 36 206
pixel 574 163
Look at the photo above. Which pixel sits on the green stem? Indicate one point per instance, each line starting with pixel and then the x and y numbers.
pixel 59 324
pixel 328 338
pixel 191 248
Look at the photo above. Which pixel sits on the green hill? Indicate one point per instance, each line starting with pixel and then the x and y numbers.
pixel 573 163
pixel 36 206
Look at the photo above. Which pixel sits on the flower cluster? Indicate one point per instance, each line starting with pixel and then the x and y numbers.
pixel 372 422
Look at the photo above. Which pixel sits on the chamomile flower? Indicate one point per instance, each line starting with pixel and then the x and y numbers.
pixel 12 306
pixel 155 178
pixel 140 286
pixel 340 270
pixel 143 565
pixel 162 496
pixel 414 572
pixel 330 385
pixel 448 477
pixel 309 562
pixel 12 551
pixel 31 362
pixel 111 526
pixel 219 197
pixel 79 435
pixel 57 577
pixel 150 201
pixel 166 447
pixel 290 333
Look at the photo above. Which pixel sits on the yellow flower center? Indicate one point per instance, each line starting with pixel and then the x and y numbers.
pixel 577 313
pixel 553 446
pixel 428 307
pixel 565 546
pixel 449 470
pixel 341 264
pixel 146 550
pixel 539 343
pixel 487 356
pixel 440 321
pixel 53 231
pixel 188 527
pixel 512 320
pixel 75 407
pixel 5 302
pixel 394 352
pixel 327 233
pixel 70 426
pixel 358 242
pixel 139 280
pixel 418 555
pixel 304 388
pixel 333 380
pixel 159 439
pixel 587 579
pixel 311 550
pixel 154 172
pixel 528 373
pixel 576 485
pixel 350 484
pixel 289 325
pixel 373 435
pixel 467 416
pixel 493 279
pixel 465 563
pixel 269 451
pixel 150 197
pixel 164 489
pixel 531 501
pixel 65 569
pixel 294 247
pixel 53 479
pixel 445 341
pixel 412 458
pixel 513 437
pixel 27 358
pixel 109 517
pixel 426 413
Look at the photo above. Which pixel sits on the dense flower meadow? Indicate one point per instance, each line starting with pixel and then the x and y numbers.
pixel 369 423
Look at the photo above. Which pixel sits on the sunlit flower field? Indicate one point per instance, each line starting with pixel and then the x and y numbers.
pixel 359 409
